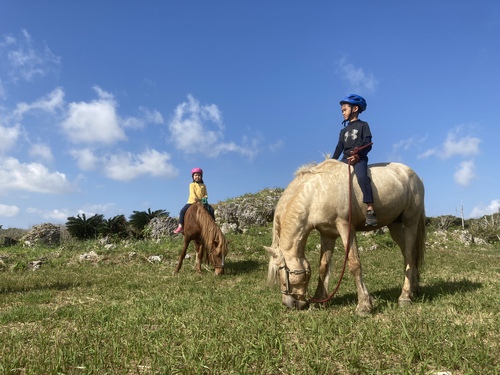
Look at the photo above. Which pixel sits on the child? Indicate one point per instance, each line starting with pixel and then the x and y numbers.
pixel 353 136
pixel 197 193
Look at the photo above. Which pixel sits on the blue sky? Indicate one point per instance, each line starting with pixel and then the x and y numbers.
pixel 105 106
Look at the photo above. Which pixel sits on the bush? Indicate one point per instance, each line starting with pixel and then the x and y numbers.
pixel 487 227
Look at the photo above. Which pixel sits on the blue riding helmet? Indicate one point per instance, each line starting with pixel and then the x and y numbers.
pixel 354 99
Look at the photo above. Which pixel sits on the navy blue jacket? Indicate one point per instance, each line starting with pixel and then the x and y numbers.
pixel 355 134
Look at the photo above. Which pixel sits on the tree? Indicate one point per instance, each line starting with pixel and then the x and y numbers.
pixel 139 219
pixel 82 228
pixel 116 226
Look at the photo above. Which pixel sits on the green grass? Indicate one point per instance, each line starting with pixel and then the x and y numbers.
pixel 123 314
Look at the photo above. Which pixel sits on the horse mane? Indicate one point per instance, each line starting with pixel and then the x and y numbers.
pixel 210 231
pixel 314 167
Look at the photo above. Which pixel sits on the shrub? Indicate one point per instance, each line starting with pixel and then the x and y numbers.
pixel 82 228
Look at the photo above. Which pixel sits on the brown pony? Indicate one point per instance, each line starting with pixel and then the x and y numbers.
pixel 210 242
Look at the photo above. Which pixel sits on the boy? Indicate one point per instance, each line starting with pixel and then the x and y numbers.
pixel 352 137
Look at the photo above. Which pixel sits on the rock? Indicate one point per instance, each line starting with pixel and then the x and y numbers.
pixel 44 234
pixel 34 265
pixel 160 227
pixel 155 258
pixel 91 256
pixel 249 210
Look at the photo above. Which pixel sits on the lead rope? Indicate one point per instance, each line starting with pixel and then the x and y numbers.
pixel 348 246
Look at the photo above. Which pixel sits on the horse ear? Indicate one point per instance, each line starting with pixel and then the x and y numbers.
pixel 272 252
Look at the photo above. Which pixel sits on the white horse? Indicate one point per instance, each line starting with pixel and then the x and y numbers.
pixel 318 198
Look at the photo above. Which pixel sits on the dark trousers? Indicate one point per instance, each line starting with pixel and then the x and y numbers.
pixel 185 208
pixel 364 181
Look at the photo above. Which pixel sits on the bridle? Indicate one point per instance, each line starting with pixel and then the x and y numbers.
pixel 212 257
pixel 288 271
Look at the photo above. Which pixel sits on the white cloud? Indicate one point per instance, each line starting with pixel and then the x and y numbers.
pixel 465 146
pixel 99 209
pixel 94 122
pixel 8 137
pixel 3 92
pixel 8 211
pixel 152 116
pixel 276 146
pixel 197 129
pixel 359 81
pixel 41 151
pixel 52 215
pixel 126 166
pixel 465 173
pixel 27 60
pixel 147 116
pixel 33 177
pixel 455 146
pixel 85 158
pixel 48 103
pixel 405 145
pixel 492 208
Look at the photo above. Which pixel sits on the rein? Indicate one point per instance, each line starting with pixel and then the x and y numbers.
pixel 348 246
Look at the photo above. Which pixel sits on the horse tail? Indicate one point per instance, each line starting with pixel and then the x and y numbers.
pixel 420 241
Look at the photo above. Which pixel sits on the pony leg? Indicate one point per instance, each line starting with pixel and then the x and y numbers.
pixel 365 302
pixel 411 283
pixel 183 254
pixel 405 238
pixel 199 256
pixel 327 246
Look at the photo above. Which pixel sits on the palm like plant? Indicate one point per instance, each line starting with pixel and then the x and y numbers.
pixel 82 228
pixel 139 219
pixel 116 226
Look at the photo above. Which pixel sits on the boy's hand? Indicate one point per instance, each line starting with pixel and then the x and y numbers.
pixel 353 159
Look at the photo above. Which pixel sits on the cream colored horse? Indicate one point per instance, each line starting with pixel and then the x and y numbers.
pixel 318 198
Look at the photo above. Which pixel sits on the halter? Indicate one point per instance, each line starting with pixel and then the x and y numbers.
pixel 211 255
pixel 287 291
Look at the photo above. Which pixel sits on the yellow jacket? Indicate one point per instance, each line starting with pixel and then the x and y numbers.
pixel 196 192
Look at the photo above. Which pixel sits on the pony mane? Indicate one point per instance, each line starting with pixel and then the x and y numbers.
pixel 314 167
pixel 210 231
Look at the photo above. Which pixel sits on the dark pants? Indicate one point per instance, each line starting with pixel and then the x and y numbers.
pixel 364 181
pixel 185 208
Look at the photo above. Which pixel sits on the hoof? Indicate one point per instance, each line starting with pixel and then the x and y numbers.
pixel 363 312
pixel 365 309
pixel 404 302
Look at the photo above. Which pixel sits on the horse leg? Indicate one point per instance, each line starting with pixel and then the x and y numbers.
pixel 327 246
pixel 199 255
pixel 183 254
pixel 405 238
pixel 365 301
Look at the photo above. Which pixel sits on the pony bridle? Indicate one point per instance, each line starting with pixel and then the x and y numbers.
pixel 288 271
pixel 213 260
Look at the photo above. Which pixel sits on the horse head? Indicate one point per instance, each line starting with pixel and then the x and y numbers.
pixel 293 274
pixel 217 255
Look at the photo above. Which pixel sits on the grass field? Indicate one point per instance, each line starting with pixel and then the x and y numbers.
pixel 123 314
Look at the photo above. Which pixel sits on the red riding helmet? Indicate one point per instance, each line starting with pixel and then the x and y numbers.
pixel 197 170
